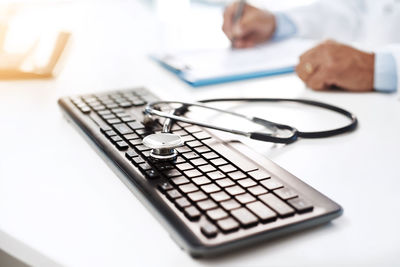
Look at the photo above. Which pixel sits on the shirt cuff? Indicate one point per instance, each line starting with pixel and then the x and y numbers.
pixel 285 27
pixel 385 74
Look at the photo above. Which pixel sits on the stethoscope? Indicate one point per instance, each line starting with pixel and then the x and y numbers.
pixel 164 144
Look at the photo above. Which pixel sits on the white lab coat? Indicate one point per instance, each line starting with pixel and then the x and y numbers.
pixel 374 24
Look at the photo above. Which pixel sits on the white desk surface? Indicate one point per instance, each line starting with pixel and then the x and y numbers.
pixel 61 205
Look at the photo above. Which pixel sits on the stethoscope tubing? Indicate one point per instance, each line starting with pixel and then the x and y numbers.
pixel 315 134
pixel 150 109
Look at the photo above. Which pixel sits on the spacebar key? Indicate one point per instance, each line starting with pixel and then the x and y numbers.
pixel 239 160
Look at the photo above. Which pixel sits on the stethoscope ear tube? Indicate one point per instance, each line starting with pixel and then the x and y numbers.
pixel 267 137
pixel 309 135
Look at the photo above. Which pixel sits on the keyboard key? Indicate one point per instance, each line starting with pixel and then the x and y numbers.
pixel 277 204
pixel 108 116
pixel 192 213
pixel 110 133
pixel 163 165
pixel 192 173
pixel 216 214
pixel 215 175
pixel 259 175
pixel 152 174
pixel 225 182
pixel 144 166
pixel 144 132
pixel 125 104
pixel 193 129
pixel 184 166
pixel 85 109
pixel 187 138
pixel 128 119
pixel 190 155
pixel 230 204
pixel 165 187
pixel 271 183
pixel 198 162
pixel 197 196
pixel 172 173
pixel 122 128
pixel 210 155
pixel 188 188
pixel 117 110
pixel 262 211
pixel 209 230
pixel 193 144
pixel 210 188
pixel 227 168
pixel 116 138
pixel 202 149
pixel 122 145
pixel 237 159
pixel 206 204
pixel 99 107
pixel 207 168
pixel 183 149
pixel 113 121
pixel 301 205
pixel 183 124
pixel 138 160
pixel 201 180
pixel 218 161
pixel 139 102
pixel 246 182
pixel 142 148
pixel 131 153
pixel 135 142
pixel 201 135
pixel 234 190
pixel 131 136
pixel 257 190
pixel 172 194
pixel 179 180
pixel 135 125
pixel 179 159
pixel 104 128
pixel 245 198
pixel 104 112
pixel 237 175
pixel 146 153
pixel 228 225
pixel 285 193
pixel 220 196
pixel 245 217
pixel 179 132
pixel 111 106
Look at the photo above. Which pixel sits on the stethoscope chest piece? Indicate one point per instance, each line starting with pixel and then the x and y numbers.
pixel 163 145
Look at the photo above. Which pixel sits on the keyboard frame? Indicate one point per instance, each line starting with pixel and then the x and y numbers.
pixel 184 232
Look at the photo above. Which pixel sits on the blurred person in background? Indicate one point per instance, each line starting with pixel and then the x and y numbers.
pixel 331 64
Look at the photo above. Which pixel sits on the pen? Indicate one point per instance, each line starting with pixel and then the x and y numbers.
pixel 239 11
pixel 238 14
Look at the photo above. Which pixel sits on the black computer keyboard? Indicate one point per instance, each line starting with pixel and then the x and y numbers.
pixel 215 196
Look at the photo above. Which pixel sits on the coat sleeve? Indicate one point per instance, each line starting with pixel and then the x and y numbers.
pixel 339 19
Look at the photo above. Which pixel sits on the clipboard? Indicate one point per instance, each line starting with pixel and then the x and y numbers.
pixel 215 66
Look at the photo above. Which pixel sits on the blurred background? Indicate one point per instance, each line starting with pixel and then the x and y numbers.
pixel 28 29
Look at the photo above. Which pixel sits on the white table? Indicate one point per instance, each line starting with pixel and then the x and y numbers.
pixel 61 205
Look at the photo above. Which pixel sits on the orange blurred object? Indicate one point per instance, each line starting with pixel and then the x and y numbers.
pixel 22 65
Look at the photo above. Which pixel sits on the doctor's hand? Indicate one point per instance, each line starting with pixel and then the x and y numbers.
pixel 334 65
pixel 255 26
